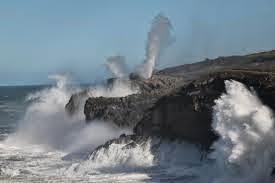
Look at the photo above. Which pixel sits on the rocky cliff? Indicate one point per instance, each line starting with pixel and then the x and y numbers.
pixel 177 102
pixel 187 113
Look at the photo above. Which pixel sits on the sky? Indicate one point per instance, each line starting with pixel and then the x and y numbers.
pixel 40 38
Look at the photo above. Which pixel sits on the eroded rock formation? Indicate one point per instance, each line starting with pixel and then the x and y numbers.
pixel 177 103
pixel 187 113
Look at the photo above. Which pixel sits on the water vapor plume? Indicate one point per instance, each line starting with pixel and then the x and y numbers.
pixel 117 66
pixel 159 37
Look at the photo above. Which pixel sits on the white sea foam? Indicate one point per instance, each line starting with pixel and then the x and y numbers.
pixel 117 158
pixel 47 123
pixel 244 153
pixel 246 148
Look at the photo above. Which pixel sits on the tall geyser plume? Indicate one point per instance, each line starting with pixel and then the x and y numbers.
pixel 159 37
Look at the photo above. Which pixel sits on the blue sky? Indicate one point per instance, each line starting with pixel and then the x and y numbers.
pixel 39 38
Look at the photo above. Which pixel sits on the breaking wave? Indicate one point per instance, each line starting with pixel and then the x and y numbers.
pixel 47 123
pixel 244 152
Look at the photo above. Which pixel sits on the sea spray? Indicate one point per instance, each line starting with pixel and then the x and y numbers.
pixel 159 37
pixel 245 150
pixel 244 153
pixel 118 156
pixel 46 122
pixel 161 160
pixel 117 66
pixel 119 88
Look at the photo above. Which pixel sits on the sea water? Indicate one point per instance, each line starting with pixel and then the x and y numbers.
pixel 36 134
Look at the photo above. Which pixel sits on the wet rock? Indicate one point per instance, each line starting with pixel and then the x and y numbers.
pixel 127 111
pixel 154 87
pixel 124 112
pixel 128 142
pixel 187 113
pixel 176 103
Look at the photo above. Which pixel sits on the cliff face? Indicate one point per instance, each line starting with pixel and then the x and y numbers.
pixel 187 113
pixel 177 103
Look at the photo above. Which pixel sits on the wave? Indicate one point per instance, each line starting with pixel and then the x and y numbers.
pixel 46 122
pixel 244 152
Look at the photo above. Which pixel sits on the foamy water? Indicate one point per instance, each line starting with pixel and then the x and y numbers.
pixel 45 135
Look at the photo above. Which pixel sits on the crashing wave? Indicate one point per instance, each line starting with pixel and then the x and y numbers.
pixel 244 152
pixel 47 123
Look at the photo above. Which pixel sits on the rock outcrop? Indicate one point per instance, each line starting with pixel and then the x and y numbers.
pixel 149 90
pixel 127 111
pixel 177 103
pixel 184 112
pixel 187 113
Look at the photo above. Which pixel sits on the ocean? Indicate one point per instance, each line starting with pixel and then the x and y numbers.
pixel 36 133
pixel 13 105
pixel 37 137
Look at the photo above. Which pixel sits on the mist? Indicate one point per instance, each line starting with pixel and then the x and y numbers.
pixel 47 123
pixel 117 66
pixel 159 37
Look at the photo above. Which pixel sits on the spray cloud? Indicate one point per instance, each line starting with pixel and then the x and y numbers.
pixel 159 37
pixel 245 151
pixel 117 66
pixel 47 123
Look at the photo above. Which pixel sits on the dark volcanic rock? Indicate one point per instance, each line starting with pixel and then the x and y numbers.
pixel 127 111
pixel 177 102
pixel 187 113
pixel 158 85
pixel 77 100
pixel 124 111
